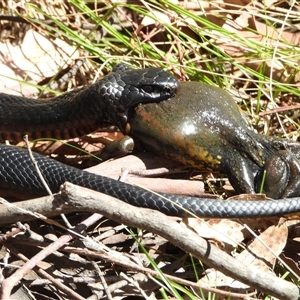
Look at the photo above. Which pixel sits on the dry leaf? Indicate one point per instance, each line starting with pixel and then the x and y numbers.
pixel 227 232
pixel 215 279
pixel 147 21
pixel 34 60
pixel 292 264
pixel 257 254
pixel 270 36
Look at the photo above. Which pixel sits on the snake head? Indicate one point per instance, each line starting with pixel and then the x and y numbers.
pixel 147 85
pixel 122 91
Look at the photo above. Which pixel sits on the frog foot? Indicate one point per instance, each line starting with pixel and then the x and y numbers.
pixel 282 175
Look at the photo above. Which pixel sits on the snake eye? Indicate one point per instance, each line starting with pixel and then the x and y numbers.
pixel 147 89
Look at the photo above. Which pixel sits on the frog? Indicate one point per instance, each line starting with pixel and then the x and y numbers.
pixel 203 126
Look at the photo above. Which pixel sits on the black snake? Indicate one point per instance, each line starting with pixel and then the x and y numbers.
pixel 109 101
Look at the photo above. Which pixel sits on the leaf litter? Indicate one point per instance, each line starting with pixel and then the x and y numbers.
pixel 39 57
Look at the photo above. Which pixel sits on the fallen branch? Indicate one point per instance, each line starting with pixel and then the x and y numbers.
pixel 11 281
pixel 74 198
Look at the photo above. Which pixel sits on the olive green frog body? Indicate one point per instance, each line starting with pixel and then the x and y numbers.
pixel 202 125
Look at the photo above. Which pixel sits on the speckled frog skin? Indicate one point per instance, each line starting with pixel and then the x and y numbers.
pixel 202 125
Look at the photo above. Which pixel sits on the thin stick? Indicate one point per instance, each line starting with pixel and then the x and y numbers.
pixel 66 221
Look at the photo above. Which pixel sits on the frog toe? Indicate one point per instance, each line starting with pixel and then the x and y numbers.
pixel 282 178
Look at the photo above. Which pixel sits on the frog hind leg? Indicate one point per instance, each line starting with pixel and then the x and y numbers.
pixel 249 144
pixel 282 175
pixel 241 172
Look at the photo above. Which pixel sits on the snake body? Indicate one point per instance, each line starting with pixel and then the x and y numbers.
pixel 83 110
pixel 109 101
pixel 16 171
